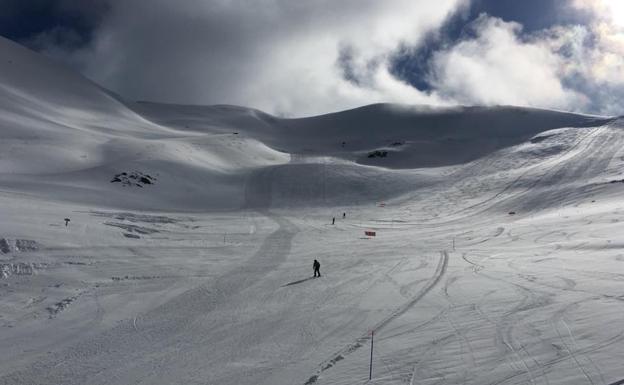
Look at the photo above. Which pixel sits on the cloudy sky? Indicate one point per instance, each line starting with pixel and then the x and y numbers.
pixel 304 57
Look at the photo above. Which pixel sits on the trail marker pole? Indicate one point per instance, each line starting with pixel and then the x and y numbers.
pixel 370 370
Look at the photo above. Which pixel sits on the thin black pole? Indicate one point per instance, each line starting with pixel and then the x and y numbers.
pixel 370 371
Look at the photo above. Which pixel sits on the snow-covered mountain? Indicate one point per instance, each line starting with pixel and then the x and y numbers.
pixel 192 229
pixel 67 137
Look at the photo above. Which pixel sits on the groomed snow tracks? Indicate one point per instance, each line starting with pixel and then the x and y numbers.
pixel 361 341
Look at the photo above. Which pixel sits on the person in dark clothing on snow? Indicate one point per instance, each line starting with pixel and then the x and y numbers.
pixel 317 268
pixel 333 220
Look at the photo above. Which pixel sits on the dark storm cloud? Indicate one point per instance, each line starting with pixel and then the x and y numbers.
pixel 62 23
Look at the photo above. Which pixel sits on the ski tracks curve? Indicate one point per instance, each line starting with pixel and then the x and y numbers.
pixel 359 342
pixel 120 354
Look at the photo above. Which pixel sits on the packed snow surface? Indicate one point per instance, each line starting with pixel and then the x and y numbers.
pixel 498 255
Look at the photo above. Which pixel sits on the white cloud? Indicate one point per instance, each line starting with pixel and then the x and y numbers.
pixel 310 57
pixel 497 67
pixel 278 55
pixel 609 11
pixel 594 54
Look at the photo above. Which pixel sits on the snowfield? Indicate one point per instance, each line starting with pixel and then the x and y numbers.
pixel 498 256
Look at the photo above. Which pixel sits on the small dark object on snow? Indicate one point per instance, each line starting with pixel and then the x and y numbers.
pixel 311 380
pixel 235 133
pixel 133 179
pixel 66 221
pixel 344 215
pixel 317 268
pixel 395 144
pixel 333 220
pixel 343 144
pixel 512 213
pixel 378 154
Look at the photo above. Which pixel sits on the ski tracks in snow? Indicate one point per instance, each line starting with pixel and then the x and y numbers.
pixel 124 353
pixel 361 341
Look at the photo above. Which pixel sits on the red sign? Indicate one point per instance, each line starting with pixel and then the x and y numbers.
pixel 370 233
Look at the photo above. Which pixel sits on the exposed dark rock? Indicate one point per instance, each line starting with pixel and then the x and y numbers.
pixel 133 179
pixel 4 246
pixel 378 154
pixel 132 228
pixel 17 245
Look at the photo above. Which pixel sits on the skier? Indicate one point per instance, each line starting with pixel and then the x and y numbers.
pixel 344 215
pixel 317 268
pixel 333 220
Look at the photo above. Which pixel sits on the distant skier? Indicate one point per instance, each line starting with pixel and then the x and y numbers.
pixel 333 220
pixel 317 268
pixel 344 215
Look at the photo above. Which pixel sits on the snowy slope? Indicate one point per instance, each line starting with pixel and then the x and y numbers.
pixel 415 136
pixel 497 260
pixel 74 137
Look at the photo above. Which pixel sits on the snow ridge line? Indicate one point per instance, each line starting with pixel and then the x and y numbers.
pixel 341 354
